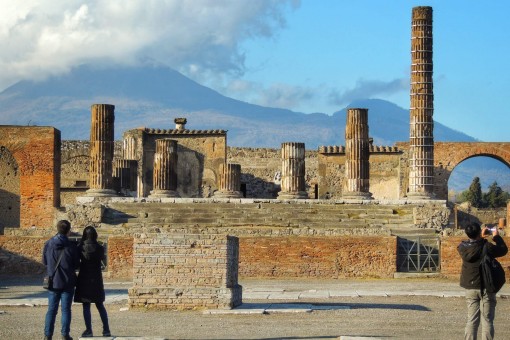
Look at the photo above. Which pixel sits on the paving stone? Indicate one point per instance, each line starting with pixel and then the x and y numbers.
pixel 289 308
pixel 284 296
pixel 234 311
pixel 330 307
pixel 321 294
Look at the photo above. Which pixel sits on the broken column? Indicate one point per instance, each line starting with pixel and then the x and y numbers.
pixel 230 182
pixel 125 175
pixel 421 140
pixel 293 171
pixel 357 152
pixel 101 150
pixel 165 169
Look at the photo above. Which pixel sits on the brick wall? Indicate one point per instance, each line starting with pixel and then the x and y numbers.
pixel 37 153
pixel 185 271
pixel 325 257
pixel 120 257
pixel 451 262
pixel 21 255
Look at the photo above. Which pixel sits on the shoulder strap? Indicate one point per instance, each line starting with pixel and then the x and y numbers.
pixel 58 261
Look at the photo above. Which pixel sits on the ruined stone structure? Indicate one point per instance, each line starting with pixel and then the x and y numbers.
pixel 230 182
pixel 201 154
pixel 177 269
pixel 182 252
pixel 124 176
pixel 357 147
pixel 29 175
pixel 165 165
pixel 293 171
pixel 101 150
pixel 421 139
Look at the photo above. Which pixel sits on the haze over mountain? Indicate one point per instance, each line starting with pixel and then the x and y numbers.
pixel 154 96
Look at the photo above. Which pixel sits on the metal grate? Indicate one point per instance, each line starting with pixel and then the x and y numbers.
pixel 418 254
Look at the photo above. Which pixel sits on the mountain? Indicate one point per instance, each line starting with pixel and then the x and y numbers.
pixel 154 96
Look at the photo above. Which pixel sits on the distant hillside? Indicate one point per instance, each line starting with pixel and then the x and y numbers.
pixel 153 97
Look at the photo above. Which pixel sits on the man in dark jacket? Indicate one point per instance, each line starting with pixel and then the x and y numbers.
pixel 64 279
pixel 479 301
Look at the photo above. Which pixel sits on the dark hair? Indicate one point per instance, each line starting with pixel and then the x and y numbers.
pixel 63 227
pixel 89 233
pixel 473 230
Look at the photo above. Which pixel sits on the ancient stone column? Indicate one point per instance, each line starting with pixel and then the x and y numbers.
pixel 357 152
pixel 230 182
pixel 421 140
pixel 125 174
pixel 293 171
pixel 165 169
pixel 101 150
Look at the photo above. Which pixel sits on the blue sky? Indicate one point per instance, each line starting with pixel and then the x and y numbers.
pixel 362 48
pixel 307 56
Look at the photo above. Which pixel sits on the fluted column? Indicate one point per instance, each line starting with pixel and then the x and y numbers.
pixel 101 150
pixel 357 152
pixel 165 169
pixel 125 173
pixel 293 171
pixel 230 182
pixel 421 140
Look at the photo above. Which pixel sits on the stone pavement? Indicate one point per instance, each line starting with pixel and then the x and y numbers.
pixel 263 296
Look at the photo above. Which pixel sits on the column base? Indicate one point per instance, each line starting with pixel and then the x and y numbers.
pixel 100 193
pixel 163 193
pixel 419 196
pixel 357 195
pixel 228 194
pixel 292 195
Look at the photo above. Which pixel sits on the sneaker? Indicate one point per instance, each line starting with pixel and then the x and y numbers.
pixel 107 333
pixel 66 337
pixel 87 334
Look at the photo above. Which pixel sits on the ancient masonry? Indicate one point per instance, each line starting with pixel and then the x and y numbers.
pixel 421 139
pixel 230 182
pixel 181 270
pixel 293 171
pixel 165 165
pixel 101 150
pixel 357 150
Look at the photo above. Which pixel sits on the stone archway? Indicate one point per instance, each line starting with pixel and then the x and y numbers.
pixel 9 190
pixel 448 155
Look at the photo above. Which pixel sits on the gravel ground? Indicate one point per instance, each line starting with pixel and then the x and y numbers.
pixel 414 317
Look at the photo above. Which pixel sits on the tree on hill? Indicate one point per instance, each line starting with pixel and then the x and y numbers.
pixel 495 197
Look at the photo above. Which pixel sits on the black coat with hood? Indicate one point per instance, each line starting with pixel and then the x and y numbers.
pixel 471 253
pixel 65 276
pixel 90 286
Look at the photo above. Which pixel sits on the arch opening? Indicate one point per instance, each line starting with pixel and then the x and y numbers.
pixel 9 190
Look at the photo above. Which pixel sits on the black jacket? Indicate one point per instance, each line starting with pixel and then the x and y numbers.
pixel 471 253
pixel 90 286
pixel 65 276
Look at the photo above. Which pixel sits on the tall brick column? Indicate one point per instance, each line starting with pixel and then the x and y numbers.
pixel 357 152
pixel 165 166
pixel 230 182
pixel 101 150
pixel 293 171
pixel 421 140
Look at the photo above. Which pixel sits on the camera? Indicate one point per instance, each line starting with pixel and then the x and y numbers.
pixel 489 231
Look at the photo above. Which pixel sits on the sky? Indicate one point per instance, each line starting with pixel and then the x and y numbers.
pixel 307 56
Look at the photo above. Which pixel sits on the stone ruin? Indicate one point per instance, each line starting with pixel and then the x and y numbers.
pixel 174 209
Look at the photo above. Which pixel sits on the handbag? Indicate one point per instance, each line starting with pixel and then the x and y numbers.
pixel 493 274
pixel 48 280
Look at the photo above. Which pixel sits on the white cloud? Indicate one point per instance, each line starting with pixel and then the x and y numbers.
pixel 198 37
pixel 369 89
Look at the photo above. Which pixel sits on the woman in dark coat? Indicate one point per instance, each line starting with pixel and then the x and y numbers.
pixel 90 288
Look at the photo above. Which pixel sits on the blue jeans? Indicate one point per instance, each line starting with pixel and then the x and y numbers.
pixel 54 298
pixel 102 313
